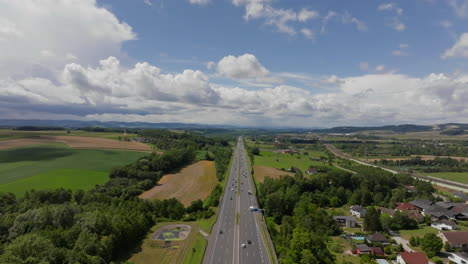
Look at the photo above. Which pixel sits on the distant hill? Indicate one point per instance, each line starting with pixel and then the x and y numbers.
pixel 14 123
pixel 448 129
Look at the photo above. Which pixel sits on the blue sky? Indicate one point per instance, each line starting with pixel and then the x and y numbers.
pixel 244 62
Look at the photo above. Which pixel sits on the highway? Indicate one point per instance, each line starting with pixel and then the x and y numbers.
pixel 237 225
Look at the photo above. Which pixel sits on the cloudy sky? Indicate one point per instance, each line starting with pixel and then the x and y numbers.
pixel 243 62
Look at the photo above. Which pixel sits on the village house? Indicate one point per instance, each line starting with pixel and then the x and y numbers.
pixel 363 249
pixel 422 204
pixel 357 211
pixel 412 258
pixel 405 206
pixel 458 258
pixel 311 171
pixel 456 240
pixel 444 225
pixel 377 238
pixel 345 221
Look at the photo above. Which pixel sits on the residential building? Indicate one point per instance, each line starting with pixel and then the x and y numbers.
pixel 377 251
pixel 461 195
pixel 388 211
pixel 363 249
pixel 406 206
pixel 358 211
pixel 422 204
pixel 311 171
pixel 377 238
pixel 456 240
pixel 458 258
pixel 412 258
pixel 382 261
pixel 345 221
pixel 444 225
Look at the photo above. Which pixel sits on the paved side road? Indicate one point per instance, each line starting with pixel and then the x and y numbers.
pixel 236 237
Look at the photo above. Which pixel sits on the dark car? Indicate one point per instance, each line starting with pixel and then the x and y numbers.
pixel 220 231
pixel 249 242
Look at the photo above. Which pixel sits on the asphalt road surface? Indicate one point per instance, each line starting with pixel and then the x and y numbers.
pixel 237 225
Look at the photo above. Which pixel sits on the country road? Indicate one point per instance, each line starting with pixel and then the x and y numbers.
pixel 437 181
pixel 236 237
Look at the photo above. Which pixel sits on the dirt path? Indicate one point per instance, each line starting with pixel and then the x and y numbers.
pixel 76 142
pixel 191 183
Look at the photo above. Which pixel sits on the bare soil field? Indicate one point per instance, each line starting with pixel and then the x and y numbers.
pixel 261 172
pixel 191 183
pixel 76 142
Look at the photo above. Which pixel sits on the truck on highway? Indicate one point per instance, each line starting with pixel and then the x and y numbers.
pixel 253 208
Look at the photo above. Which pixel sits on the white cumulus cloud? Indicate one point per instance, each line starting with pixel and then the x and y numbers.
pixel 459 49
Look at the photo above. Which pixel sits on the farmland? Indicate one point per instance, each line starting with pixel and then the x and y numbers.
pixel 276 160
pixel 261 172
pixel 56 165
pixel 191 183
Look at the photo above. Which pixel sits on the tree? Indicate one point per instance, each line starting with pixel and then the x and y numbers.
pixel 431 244
pixel 372 220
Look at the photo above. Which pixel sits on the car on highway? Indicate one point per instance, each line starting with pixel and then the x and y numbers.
pixel 249 242
pixel 243 245
pixel 220 231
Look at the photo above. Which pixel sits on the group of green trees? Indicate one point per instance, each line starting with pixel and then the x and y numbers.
pixel 103 224
pixel 434 165
pixel 300 226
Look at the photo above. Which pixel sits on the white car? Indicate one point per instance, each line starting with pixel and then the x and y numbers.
pixel 243 245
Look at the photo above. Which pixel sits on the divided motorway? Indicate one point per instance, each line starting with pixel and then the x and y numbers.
pixel 236 237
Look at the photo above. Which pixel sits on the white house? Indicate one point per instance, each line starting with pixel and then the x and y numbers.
pixel 459 258
pixel 444 225
pixel 357 211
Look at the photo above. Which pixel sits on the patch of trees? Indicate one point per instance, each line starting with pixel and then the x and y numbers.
pixel 222 159
pixel 39 128
pixel 167 139
pixel 300 226
pixel 434 165
pixel 453 132
pixel 106 129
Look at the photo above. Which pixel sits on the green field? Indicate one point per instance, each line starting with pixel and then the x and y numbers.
pixel 195 255
pixel 56 165
pixel 407 234
pixel 6 134
pixel 452 176
pixel 276 160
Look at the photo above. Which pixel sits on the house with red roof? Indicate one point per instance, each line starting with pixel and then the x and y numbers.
pixel 405 207
pixel 412 258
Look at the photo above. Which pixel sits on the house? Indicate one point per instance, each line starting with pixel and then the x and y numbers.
pixel 456 240
pixel 414 214
pixel 363 249
pixel 377 251
pixel 377 238
pixel 388 211
pixel 311 171
pixel 446 205
pixel 406 206
pixel 421 204
pixel 461 211
pixel 438 213
pixel 444 225
pixel 345 221
pixel 410 188
pixel 459 258
pixel 358 211
pixel 412 258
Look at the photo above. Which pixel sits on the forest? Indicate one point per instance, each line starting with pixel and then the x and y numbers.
pixel 296 207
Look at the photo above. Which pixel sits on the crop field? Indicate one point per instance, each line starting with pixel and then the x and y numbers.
pixel 12 134
pixel 451 176
pixel 75 142
pixel 276 160
pixel 191 183
pixel 56 165
pixel 261 172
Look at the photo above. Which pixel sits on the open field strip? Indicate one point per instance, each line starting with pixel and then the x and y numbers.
pixel 40 167
pixel 193 182
pixel 461 177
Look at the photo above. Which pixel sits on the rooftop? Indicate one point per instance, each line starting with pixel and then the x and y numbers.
pixel 414 257
pixel 457 238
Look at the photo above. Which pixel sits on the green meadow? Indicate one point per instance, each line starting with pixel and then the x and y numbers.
pixel 277 160
pixel 56 165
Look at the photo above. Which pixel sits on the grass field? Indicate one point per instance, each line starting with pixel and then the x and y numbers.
pixel 275 160
pixel 152 251
pixel 407 234
pixel 56 165
pixel 261 172
pixel 191 183
pixel 207 224
pixel 195 255
pixel 12 134
pixel 452 176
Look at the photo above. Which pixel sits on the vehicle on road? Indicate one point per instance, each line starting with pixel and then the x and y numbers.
pixel 249 242
pixel 243 245
pixel 220 231
pixel 250 192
